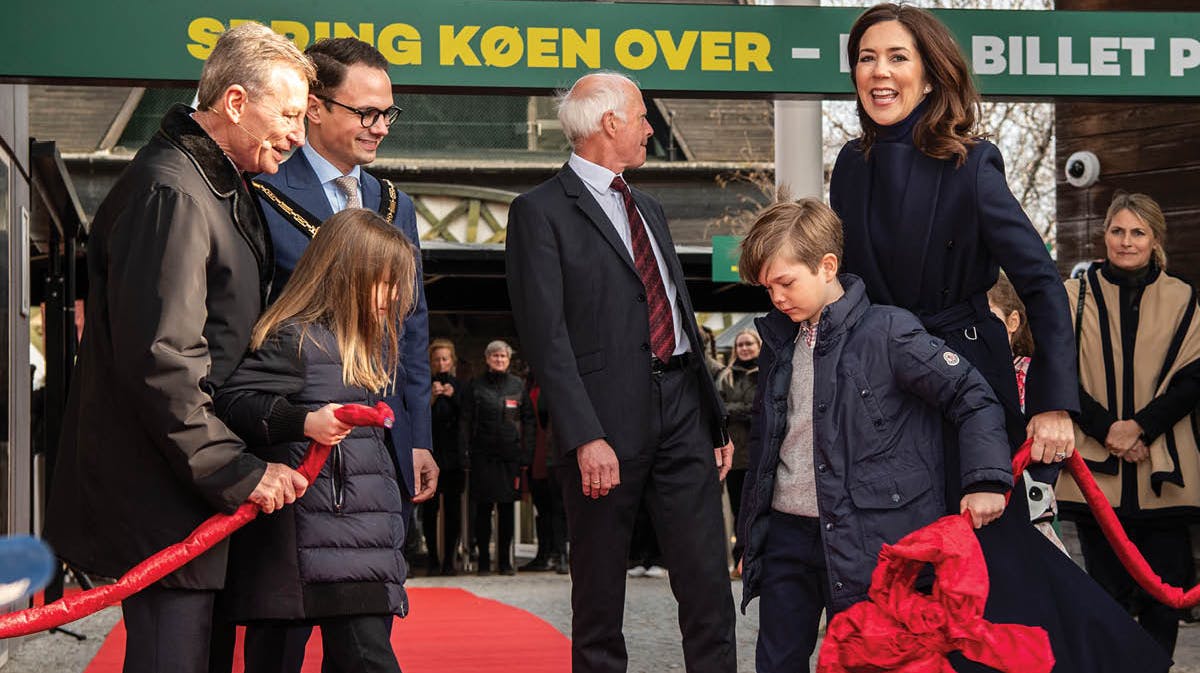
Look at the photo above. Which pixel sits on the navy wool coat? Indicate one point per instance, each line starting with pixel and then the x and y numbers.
pixel 958 226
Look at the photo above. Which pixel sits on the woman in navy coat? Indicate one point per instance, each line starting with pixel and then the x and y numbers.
pixel 929 221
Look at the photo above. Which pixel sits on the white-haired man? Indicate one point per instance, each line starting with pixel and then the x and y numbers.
pixel 601 306
pixel 179 267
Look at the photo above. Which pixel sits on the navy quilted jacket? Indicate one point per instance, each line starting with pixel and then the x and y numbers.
pixel 882 386
pixel 337 550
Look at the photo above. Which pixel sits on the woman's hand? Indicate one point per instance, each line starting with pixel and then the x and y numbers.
pixel 984 507
pixel 448 389
pixel 1053 436
pixel 1122 437
pixel 1137 453
pixel 323 427
pixel 437 388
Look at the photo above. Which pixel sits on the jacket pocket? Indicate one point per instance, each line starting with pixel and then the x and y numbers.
pixel 870 405
pixel 590 362
pixel 891 492
pixel 892 507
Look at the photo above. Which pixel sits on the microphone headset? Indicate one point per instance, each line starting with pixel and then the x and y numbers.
pixel 266 144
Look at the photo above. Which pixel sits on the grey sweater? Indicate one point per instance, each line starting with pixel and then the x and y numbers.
pixel 795 482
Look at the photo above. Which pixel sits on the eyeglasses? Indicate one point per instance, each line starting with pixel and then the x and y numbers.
pixel 368 116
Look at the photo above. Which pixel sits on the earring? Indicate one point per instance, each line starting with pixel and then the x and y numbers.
pixel 928 88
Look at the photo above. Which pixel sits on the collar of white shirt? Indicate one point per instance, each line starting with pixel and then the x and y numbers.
pixel 596 177
pixel 327 172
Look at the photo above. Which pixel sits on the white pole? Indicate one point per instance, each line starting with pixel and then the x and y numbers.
pixel 798 160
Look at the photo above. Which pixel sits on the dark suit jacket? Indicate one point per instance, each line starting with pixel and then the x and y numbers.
pixel 968 225
pixel 410 394
pixel 580 310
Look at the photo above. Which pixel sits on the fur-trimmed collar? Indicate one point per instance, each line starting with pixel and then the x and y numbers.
pixel 214 165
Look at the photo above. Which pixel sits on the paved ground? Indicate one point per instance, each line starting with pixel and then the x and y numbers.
pixel 650 625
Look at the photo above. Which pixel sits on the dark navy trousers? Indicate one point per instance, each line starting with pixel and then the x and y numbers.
pixel 795 590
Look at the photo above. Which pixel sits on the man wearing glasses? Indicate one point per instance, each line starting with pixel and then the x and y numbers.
pixel 349 112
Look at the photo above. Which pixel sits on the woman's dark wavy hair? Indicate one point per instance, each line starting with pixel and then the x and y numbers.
pixel 949 126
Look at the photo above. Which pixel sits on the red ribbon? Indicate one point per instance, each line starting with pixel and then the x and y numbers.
pixel 167 561
pixel 1124 548
pixel 900 629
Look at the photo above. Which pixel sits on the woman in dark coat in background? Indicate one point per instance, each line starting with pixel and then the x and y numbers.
pixel 448 452
pixel 737 384
pixel 929 220
pixel 498 423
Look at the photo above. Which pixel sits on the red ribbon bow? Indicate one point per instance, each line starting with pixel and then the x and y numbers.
pixel 900 629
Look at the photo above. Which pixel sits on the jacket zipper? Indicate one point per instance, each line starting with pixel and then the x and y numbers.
pixel 337 478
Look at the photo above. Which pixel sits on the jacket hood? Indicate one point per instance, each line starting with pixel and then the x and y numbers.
pixel 777 330
pixel 217 169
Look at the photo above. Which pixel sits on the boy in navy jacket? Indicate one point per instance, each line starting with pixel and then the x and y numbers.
pixel 846 448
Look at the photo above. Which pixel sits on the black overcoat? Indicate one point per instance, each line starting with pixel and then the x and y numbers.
pixel 179 265
pixel 499 426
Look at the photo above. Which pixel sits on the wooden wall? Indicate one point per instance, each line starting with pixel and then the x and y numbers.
pixel 1146 147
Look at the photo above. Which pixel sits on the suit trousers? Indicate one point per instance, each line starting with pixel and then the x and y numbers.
pixel 675 471
pixel 350 644
pixel 168 630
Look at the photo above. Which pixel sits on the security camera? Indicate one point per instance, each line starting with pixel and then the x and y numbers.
pixel 1083 169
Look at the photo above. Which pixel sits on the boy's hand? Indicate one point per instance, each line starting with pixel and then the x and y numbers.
pixel 323 427
pixel 985 507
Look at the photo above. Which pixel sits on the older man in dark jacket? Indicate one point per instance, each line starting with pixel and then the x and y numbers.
pixel 179 264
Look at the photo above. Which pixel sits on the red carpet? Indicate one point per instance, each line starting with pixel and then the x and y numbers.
pixel 447 631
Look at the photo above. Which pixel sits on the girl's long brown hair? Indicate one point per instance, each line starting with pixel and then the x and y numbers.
pixel 949 125
pixel 334 285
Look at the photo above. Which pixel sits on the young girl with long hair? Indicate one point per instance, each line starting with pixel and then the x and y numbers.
pixel 335 558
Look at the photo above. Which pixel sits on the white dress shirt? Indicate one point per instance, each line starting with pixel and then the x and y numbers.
pixel 598 180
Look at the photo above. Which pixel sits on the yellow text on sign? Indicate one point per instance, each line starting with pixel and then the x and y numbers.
pixel 506 46
pixel 399 43
pixel 634 49
pixel 717 50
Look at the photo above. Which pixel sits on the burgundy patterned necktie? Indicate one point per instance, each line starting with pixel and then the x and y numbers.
pixel 662 326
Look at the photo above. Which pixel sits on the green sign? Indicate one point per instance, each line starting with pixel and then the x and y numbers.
pixel 540 46
pixel 725 255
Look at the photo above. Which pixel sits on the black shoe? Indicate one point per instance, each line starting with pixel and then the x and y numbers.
pixel 449 571
pixel 509 570
pixel 564 566
pixel 483 572
pixel 432 569
pixel 537 565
